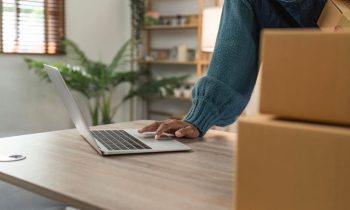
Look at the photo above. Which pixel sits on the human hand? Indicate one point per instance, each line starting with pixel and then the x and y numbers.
pixel 177 127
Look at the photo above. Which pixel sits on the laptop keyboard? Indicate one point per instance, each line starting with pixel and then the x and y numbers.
pixel 118 140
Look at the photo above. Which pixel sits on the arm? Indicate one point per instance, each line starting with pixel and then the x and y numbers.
pixel 220 97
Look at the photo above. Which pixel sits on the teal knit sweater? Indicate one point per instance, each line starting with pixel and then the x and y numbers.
pixel 220 97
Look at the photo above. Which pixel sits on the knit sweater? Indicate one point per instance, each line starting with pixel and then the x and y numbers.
pixel 221 95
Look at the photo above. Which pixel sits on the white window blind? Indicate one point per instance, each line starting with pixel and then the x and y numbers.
pixel 32 26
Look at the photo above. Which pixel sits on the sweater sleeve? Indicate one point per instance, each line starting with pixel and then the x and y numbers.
pixel 220 97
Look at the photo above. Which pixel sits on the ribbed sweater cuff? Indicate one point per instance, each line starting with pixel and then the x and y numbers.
pixel 202 115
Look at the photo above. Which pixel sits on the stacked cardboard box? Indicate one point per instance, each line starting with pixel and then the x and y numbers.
pixel 306 75
pixel 290 165
pixel 336 14
pixel 296 155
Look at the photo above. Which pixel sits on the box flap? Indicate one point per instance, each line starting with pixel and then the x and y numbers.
pixel 336 14
pixel 342 5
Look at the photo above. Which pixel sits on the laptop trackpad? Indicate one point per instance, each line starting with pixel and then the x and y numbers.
pixel 151 135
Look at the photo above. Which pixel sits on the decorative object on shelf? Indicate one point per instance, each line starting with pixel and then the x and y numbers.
pixel 163 92
pixel 155 88
pixel 162 54
pixel 164 21
pixel 149 58
pixel 179 19
pixel 174 21
pixel 191 54
pixel 152 18
pixel 173 53
pixel 154 54
pixel 192 20
pixel 158 55
pixel 211 22
pixel 178 92
pixel 182 52
pixel 184 91
pixel 187 92
pixel 98 81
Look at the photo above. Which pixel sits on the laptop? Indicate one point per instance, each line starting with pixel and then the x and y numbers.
pixel 110 142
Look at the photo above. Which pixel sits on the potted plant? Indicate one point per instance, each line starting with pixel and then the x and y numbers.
pixel 98 81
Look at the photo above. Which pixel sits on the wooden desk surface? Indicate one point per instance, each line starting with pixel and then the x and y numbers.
pixel 62 166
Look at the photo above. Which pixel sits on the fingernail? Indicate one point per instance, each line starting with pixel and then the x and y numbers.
pixel 178 134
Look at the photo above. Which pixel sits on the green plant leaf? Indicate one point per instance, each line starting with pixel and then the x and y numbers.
pixel 84 61
pixel 74 79
pixel 97 81
pixel 120 77
pixel 119 57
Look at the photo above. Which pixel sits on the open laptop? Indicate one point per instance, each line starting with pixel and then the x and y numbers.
pixel 109 142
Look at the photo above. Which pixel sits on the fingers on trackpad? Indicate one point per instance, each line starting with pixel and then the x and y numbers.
pixel 153 134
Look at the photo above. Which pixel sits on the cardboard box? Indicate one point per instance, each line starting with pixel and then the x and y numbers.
pixel 336 14
pixel 288 165
pixel 306 75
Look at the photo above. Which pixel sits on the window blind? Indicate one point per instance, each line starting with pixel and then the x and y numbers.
pixel 32 26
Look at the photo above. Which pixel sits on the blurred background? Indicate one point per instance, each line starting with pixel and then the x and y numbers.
pixel 151 51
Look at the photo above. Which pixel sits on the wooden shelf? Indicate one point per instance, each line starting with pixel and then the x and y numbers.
pixel 171 62
pixel 175 16
pixel 204 62
pixel 169 27
pixel 176 98
pixel 179 98
pixel 150 33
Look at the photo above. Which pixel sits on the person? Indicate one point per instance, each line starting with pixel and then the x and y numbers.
pixel 220 96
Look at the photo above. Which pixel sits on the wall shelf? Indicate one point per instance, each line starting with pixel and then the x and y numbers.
pixel 200 65
pixel 169 27
pixel 171 62
pixel 176 98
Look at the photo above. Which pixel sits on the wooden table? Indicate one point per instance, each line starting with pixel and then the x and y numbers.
pixel 62 166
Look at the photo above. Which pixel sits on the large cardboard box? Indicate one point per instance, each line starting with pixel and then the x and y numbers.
pixel 288 165
pixel 306 75
pixel 335 15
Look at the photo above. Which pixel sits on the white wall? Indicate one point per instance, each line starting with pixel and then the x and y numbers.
pixel 28 105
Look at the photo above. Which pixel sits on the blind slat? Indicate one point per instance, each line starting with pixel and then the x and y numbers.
pixel 31 26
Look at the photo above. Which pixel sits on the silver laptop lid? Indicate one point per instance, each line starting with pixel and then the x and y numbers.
pixel 71 105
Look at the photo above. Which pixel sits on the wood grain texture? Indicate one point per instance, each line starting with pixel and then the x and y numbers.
pixel 62 166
